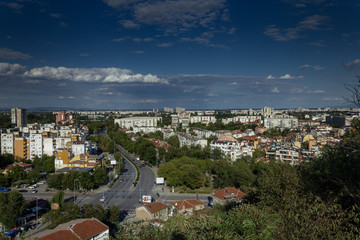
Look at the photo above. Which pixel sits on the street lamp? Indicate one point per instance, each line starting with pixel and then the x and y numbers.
pixel 74 186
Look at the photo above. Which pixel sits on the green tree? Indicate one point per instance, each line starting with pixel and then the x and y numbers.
pixel 99 176
pixel 12 206
pixel 114 214
pixel 94 211
pixel 173 141
pixel 58 198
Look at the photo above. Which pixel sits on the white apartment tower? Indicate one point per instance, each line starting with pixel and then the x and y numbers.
pixel 36 145
pixel 7 143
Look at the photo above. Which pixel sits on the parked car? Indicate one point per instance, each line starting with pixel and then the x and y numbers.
pixel 34 191
pixel 102 199
pixel 22 190
pixel 32 186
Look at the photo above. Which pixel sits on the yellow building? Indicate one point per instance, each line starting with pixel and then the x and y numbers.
pixel 62 158
pixel 84 161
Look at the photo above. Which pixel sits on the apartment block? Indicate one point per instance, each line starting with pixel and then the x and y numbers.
pixel 18 117
pixel 49 146
pixel 281 122
pixel 203 119
pixel 137 122
pixel 62 158
pixel 7 143
pixel 21 148
pixel 36 145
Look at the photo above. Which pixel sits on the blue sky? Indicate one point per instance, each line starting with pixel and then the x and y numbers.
pixel 198 54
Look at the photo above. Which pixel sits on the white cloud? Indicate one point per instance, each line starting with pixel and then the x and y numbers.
pixel 148 101
pixel 128 24
pixel 287 76
pixel 33 81
pixel 270 77
pixel 120 39
pixel 352 64
pixel 318 68
pixel 333 99
pixel 310 23
pixel 55 15
pixel 6 53
pixel 316 91
pixel 61 97
pixel 234 83
pixel 11 69
pixel 275 90
pixel 305 66
pixel 164 45
pixel 104 75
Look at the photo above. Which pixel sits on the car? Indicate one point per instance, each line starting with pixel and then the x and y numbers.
pixel 31 187
pixel 34 191
pixel 22 190
pixel 102 199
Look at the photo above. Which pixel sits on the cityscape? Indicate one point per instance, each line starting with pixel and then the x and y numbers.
pixel 179 119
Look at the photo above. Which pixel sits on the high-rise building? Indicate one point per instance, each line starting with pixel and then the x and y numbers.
pixel 19 117
pixel 7 143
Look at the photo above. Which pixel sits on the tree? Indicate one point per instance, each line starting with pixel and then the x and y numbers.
pixel 94 211
pixel 99 176
pixel 173 141
pixel 114 214
pixel 58 198
pixel 12 206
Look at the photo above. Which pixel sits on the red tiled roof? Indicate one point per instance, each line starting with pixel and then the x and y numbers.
pixel 89 228
pixel 187 203
pixel 60 235
pixel 228 191
pixel 155 206
pixel 227 138
pixel 20 164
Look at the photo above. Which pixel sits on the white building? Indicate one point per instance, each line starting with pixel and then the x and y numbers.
pixel 290 156
pixel 241 119
pixel 78 148
pixel 281 122
pixel 188 140
pixel 137 122
pixel 49 146
pixel 60 142
pixel 203 119
pixel 7 143
pixel 229 148
pixel 36 145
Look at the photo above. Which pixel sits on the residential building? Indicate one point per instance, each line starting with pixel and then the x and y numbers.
pixel 25 166
pixel 18 117
pixel 49 146
pixel 203 119
pixel 188 140
pixel 137 122
pixel 229 146
pixel 226 195
pixel 84 161
pixel 7 143
pixel 154 210
pixel 180 109
pixel 187 207
pixel 64 117
pixel 78 147
pixel 168 110
pixel 36 145
pixel 281 122
pixel 79 229
pixel 21 148
pixel 62 158
pixel 290 156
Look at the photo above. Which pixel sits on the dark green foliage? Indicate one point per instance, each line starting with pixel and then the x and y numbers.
pixel 44 164
pixel 12 205
pixel 6 159
pixel 40 117
pixel 227 174
pixel 58 198
pixel 146 150
pixel 173 141
pixel 83 180
pixel 185 171
pixel 5 120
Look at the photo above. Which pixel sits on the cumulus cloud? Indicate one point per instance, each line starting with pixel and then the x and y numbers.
pixel 6 53
pixel 275 90
pixel 105 75
pixel 311 23
pixel 316 67
pixel 287 76
pixel 353 64
pixel 7 69
pixel 269 77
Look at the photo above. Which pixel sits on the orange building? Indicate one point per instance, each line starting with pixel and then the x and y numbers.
pixel 62 158
pixel 21 148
